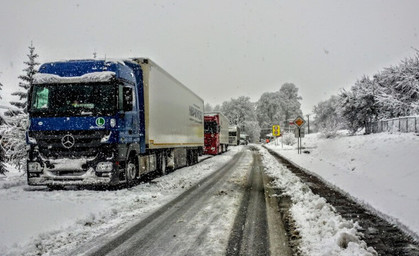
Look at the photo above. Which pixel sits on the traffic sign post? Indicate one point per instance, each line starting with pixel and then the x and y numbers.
pixel 299 122
pixel 276 132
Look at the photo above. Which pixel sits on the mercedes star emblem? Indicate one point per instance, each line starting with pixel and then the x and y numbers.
pixel 68 141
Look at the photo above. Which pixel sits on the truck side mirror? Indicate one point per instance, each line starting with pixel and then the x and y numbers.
pixel 127 99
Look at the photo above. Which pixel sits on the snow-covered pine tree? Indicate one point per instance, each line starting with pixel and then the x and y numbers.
pixel 3 169
pixel 13 133
pixel 27 80
pixel 1 88
pixel 2 151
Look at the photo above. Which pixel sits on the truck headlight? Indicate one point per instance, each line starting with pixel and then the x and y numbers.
pixel 104 167
pixel 34 167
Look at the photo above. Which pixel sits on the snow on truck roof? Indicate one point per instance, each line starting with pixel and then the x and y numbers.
pixel 84 71
pixel 104 76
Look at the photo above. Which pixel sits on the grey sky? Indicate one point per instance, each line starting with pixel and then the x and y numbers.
pixel 219 49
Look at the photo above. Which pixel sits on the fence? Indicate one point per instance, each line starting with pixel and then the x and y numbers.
pixel 400 124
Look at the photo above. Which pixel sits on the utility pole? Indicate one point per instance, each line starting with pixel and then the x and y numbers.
pixel 308 123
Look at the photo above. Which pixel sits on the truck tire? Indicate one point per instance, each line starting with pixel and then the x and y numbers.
pixel 131 172
pixel 190 157
pixel 196 154
pixel 162 163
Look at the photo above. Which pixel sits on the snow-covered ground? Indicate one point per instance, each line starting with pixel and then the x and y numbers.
pixel 323 231
pixel 380 171
pixel 36 221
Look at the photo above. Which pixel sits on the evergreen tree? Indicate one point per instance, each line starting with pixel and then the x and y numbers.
pixel 2 151
pixel 2 157
pixel 27 80
pixel 1 88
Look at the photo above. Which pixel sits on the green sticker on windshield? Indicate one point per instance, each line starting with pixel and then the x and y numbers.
pixel 100 121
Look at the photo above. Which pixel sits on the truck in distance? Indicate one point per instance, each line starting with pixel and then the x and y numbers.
pixel 216 133
pixel 107 122
pixel 233 135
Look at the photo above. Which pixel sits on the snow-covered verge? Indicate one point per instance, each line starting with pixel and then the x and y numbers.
pixel 322 230
pixel 380 171
pixel 36 221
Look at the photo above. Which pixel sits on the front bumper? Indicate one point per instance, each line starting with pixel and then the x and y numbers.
pixel 74 171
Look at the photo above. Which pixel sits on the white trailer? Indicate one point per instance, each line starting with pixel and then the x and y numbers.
pixel 174 119
pixel 173 113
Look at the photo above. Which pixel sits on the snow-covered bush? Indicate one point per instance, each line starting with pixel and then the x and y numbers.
pixel 391 93
pixel 13 139
pixel 288 138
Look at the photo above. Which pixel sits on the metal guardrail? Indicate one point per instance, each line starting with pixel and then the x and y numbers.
pixel 400 124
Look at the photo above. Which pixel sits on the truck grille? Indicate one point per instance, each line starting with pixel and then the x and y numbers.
pixel 69 144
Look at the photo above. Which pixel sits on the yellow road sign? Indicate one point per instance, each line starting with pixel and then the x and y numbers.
pixel 276 130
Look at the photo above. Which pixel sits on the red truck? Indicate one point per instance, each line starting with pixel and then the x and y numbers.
pixel 216 133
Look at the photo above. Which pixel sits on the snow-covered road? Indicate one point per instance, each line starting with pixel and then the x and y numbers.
pixel 36 221
pixel 197 222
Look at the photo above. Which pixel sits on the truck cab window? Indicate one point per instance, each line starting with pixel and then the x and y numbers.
pixel 72 99
pixel 211 127
pixel 128 99
pixel 41 98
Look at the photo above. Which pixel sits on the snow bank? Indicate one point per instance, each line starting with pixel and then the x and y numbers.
pixel 322 230
pixel 380 171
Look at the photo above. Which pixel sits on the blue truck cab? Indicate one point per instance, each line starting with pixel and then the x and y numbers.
pixel 86 117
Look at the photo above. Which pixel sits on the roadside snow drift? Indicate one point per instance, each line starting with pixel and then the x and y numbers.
pixel 322 230
pixel 381 171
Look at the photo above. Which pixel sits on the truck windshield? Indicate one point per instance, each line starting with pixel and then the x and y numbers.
pixel 73 100
pixel 210 127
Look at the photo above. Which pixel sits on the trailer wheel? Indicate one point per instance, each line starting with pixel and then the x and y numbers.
pixel 130 172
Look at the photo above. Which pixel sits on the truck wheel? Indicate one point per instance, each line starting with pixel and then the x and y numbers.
pixel 189 157
pixel 196 154
pixel 130 172
pixel 162 164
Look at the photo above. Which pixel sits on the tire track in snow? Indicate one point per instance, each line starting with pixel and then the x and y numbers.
pixel 169 229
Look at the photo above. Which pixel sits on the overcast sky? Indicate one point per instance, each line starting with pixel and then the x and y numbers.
pixel 220 49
